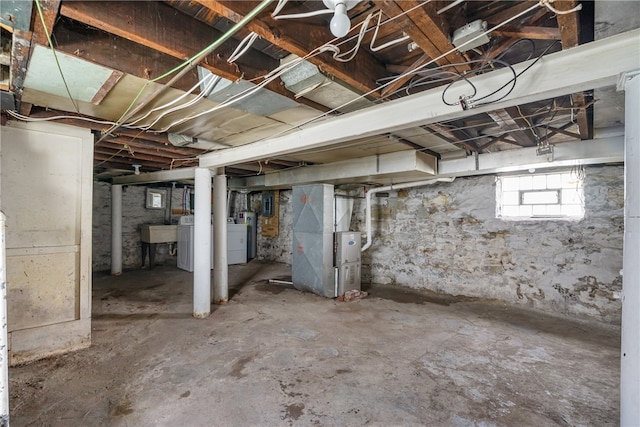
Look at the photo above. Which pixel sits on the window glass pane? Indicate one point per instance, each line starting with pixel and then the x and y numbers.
pixel 554 180
pixel 572 210
pixel 539 197
pixel 571 197
pixel 526 182
pixel 539 182
pixel 511 198
pixel 554 209
pixel 539 210
pixel 525 211
pixel 510 183
pixel 510 211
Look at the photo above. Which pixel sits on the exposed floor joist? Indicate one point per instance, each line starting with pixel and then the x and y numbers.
pixel 616 54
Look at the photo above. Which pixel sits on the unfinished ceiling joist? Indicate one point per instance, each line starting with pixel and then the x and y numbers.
pixel 557 74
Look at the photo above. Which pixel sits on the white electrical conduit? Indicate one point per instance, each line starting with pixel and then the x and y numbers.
pixel 170 103
pixel 240 96
pixel 305 15
pixel 243 47
pixel 370 193
pixel 210 85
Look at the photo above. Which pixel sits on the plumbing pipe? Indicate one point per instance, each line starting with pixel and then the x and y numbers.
pixel 4 341
pixel 202 244
pixel 220 266
pixel 370 193
pixel 229 203
pixel 116 230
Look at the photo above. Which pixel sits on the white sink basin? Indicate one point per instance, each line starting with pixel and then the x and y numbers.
pixel 158 233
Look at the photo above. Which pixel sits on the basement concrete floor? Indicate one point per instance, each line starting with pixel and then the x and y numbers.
pixel 274 356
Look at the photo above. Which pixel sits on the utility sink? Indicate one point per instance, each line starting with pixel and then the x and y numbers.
pixel 158 233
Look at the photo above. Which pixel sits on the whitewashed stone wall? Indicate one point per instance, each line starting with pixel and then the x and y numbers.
pixel 446 238
pixel 134 213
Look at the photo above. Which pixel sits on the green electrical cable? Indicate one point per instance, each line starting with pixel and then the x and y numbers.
pixel 46 31
pixel 185 66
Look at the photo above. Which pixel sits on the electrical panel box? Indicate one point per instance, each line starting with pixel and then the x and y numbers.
pixel 267 204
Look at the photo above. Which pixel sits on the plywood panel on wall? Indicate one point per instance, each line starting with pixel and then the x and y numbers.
pixel 46 191
pixel 46 284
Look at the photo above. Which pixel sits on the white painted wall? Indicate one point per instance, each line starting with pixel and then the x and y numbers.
pixel 46 196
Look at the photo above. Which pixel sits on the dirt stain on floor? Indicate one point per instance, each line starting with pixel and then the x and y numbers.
pixel 123 407
pixel 273 288
pixel 295 410
pixel 415 296
pixel 238 367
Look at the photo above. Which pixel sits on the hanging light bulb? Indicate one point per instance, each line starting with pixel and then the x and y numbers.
pixel 340 23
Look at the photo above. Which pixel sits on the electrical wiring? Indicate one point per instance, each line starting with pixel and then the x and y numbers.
pixel 401 76
pixel 46 119
pixel 55 56
pixel 515 77
pixel 178 99
pixel 185 66
pixel 209 86
pixel 243 47
pixel 547 4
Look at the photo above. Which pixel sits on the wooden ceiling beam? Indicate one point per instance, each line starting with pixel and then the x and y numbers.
pixel 160 27
pixel 426 29
pixel 50 10
pixel 569 25
pixel 153 147
pixel 134 148
pixel 510 120
pixel 528 32
pixel 132 58
pixel 494 18
pixel 300 38
pixel 458 137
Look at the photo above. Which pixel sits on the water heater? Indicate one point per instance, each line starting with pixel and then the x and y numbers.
pixel 249 220
pixel 348 261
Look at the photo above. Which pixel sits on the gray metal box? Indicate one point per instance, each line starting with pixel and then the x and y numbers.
pixel 348 261
pixel 312 260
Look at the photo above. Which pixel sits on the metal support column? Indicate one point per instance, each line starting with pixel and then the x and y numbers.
pixel 202 244
pixel 630 348
pixel 116 230
pixel 220 266
pixel 4 341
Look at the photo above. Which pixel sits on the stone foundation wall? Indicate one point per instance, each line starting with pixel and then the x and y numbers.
pixel 446 238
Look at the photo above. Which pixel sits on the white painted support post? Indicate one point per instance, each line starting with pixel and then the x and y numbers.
pixel 202 244
pixel 116 230
pixel 4 341
pixel 220 268
pixel 630 348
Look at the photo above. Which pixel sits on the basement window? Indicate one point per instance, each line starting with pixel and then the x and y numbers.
pixel 556 195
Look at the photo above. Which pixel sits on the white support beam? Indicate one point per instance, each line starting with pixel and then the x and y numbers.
pixel 4 337
pixel 159 176
pixel 202 244
pixel 595 151
pixel 116 230
pixel 630 342
pixel 406 165
pixel 220 267
pixel 589 66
